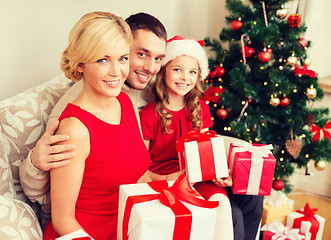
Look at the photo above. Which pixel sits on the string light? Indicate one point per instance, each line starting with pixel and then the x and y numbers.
pixel 215 105
pixel 245 114
pixel 261 67
pixel 276 84
pixel 212 118
pixel 248 130
pixel 295 90
pixel 256 139
pixel 281 159
pixel 265 83
pixel 307 156
pixel 281 68
pixel 207 102
pixel 282 151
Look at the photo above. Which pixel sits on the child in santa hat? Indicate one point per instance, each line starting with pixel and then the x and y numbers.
pixel 176 110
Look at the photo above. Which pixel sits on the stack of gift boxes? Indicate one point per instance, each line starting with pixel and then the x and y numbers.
pixel 174 210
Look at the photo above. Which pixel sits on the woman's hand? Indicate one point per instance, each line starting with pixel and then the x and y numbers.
pixel 224 182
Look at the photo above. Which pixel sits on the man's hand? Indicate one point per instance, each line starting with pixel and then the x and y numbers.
pixel 45 156
pixel 224 182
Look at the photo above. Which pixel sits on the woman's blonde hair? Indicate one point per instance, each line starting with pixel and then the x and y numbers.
pixel 192 104
pixel 91 37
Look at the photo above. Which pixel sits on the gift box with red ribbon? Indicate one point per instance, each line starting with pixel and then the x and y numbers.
pixel 309 223
pixel 76 235
pixel 164 210
pixel 203 156
pixel 252 167
pixel 294 20
pixel 277 230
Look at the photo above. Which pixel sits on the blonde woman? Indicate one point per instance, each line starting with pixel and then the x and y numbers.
pixel 101 122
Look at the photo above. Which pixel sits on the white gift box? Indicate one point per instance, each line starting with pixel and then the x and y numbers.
pixel 213 152
pixel 306 225
pixel 77 234
pixel 152 220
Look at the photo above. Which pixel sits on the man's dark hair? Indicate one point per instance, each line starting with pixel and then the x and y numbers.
pixel 147 22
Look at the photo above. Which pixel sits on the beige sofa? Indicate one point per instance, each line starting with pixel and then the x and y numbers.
pixel 23 118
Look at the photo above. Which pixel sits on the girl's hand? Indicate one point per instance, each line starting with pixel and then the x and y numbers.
pixel 224 182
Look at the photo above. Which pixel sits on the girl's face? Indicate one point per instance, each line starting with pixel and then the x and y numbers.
pixel 107 75
pixel 181 75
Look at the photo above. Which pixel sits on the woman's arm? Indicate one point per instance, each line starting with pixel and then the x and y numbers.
pixel 66 181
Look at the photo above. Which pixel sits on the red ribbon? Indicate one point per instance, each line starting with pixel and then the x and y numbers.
pixel 170 196
pixel 317 131
pixel 304 71
pixel 308 215
pixel 204 144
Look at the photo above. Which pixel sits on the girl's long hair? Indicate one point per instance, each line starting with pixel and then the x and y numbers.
pixel 192 104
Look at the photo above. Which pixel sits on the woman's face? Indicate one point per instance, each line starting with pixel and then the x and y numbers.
pixel 181 75
pixel 107 75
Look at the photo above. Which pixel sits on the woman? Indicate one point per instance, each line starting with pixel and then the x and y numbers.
pixel 102 122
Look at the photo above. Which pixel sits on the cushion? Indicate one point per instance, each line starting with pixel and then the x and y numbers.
pixel 18 221
pixel 23 118
pixel 6 184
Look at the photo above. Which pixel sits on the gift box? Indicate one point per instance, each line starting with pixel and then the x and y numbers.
pixel 252 167
pixel 203 156
pixel 309 223
pixel 149 211
pixel 77 235
pixel 277 230
pixel 294 20
pixel 272 213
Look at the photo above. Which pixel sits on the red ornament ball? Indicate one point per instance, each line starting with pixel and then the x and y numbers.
pixel 284 102
pixel 265 56
pixel 303 43
pixel 249 51
pixel 278 185
pixel 236 25
pixel 219 71
pixel 222 113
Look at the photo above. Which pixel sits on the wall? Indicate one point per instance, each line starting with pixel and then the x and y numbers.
pixel 34 34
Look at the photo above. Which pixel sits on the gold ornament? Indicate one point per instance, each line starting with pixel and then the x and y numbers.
pixel 320 165
pixel 311 92
pixel 274 101
pixel 307 61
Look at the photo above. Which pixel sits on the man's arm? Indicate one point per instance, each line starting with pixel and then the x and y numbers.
pixel 34 174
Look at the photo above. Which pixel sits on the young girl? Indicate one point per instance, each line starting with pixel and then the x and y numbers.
pixel 176 110
pixel 102 121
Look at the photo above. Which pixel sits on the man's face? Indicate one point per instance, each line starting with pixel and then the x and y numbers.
pixel 146 53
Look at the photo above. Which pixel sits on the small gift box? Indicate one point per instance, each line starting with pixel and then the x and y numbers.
pixel 149 211
pixel 203 156
pixel 294 20
pixel 252 167
pixel 277 230
pixel 77 235
pixel 312 225
pixel 276 207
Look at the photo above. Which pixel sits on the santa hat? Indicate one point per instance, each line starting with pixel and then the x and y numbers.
pixel 178 46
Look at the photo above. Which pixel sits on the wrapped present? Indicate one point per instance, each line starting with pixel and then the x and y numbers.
pixel 309 223
pixel 276 207
pixel 149 211
pixel 203 156
pixel 252 167
pixel 271 214
pixel 277 230
pixel 76 235
pixel 294 20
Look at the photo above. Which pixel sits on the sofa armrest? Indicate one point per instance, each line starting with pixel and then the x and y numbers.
pixel 18 221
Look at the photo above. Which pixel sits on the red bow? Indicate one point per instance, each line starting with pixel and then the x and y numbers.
pixel 170 196
pixel 194 136
pixel 317 131
pixel 304 71
pixel 177 37
pixel 308 215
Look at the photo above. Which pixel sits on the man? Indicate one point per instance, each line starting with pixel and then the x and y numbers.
pixel 146 53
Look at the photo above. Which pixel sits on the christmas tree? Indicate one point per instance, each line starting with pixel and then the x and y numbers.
pixel 260 87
